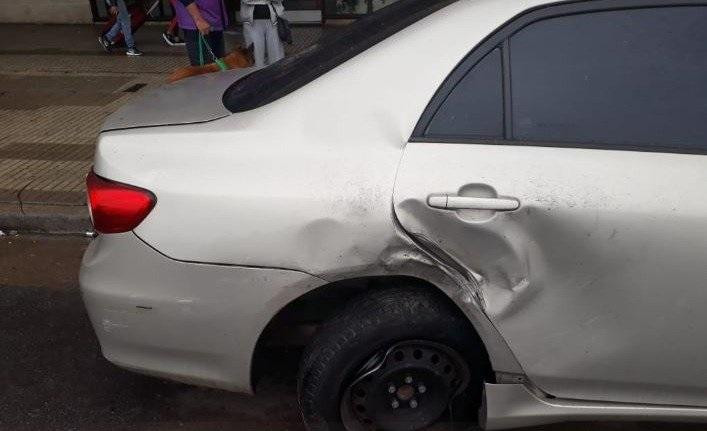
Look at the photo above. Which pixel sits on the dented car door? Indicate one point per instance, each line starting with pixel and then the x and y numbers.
pixel 564 171
pixel 597 281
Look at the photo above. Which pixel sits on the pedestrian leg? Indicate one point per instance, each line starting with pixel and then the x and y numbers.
pixel 255 34
pixel 112 33
pixel 125 24
pixel 276 51
pixel 172 27
pixel 216 43
pixel 191 40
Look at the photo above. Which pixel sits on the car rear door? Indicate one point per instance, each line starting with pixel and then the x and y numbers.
pixel 563 163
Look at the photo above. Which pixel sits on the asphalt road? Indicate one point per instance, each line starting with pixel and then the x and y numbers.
pixel 53 377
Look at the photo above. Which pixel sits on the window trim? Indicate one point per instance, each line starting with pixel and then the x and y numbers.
pixel 500 64
pixel 500 38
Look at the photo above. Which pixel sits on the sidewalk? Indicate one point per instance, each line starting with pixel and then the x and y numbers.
pixel 56 88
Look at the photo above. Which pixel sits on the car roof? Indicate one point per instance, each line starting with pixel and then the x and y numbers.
pixel 274 82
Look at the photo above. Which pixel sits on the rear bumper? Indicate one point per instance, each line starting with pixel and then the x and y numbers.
pixel 189 322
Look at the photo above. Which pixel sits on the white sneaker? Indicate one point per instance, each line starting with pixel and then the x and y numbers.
pixel 133 52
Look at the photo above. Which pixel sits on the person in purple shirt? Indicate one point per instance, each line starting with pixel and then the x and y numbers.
pixel 207 17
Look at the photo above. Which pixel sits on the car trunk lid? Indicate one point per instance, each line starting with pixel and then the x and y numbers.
pixel 193 100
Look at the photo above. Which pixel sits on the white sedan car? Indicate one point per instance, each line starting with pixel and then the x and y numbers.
pixel 492 202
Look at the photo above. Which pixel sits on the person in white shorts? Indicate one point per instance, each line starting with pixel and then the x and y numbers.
pixel 260 30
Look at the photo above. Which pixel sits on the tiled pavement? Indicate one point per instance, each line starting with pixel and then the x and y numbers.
pixel 56 88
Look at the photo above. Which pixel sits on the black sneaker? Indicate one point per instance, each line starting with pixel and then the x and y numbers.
pixel 105 43
pixel 172 40
pixel 133 52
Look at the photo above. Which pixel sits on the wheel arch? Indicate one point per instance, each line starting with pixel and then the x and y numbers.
pixel 297 320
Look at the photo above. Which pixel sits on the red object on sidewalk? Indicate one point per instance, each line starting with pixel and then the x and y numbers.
pixel 138 16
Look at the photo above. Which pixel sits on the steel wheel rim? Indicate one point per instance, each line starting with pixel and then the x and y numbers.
pixel 406 387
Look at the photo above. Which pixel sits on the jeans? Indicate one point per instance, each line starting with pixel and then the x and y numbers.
pixel 122 23
pixel 215 41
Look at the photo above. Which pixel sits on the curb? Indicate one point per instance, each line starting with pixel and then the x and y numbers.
pixel 49 219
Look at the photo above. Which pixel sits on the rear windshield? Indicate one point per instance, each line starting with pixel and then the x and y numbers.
pixel 271 83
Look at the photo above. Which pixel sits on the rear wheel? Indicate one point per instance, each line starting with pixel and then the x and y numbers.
pixel 399 359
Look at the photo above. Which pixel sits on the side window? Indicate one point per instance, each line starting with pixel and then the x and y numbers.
pixel 631 78
pixel 474 108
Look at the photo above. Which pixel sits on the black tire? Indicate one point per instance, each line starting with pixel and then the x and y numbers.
pixel 374 322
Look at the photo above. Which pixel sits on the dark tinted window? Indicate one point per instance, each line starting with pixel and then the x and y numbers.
pixel 633 78
pixel 475 107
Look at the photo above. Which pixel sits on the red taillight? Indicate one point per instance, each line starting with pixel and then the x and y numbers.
pixel 117 207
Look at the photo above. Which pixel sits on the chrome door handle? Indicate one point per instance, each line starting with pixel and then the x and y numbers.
pixel 448 202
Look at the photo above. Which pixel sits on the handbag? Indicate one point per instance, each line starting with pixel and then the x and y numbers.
pixel 284 31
